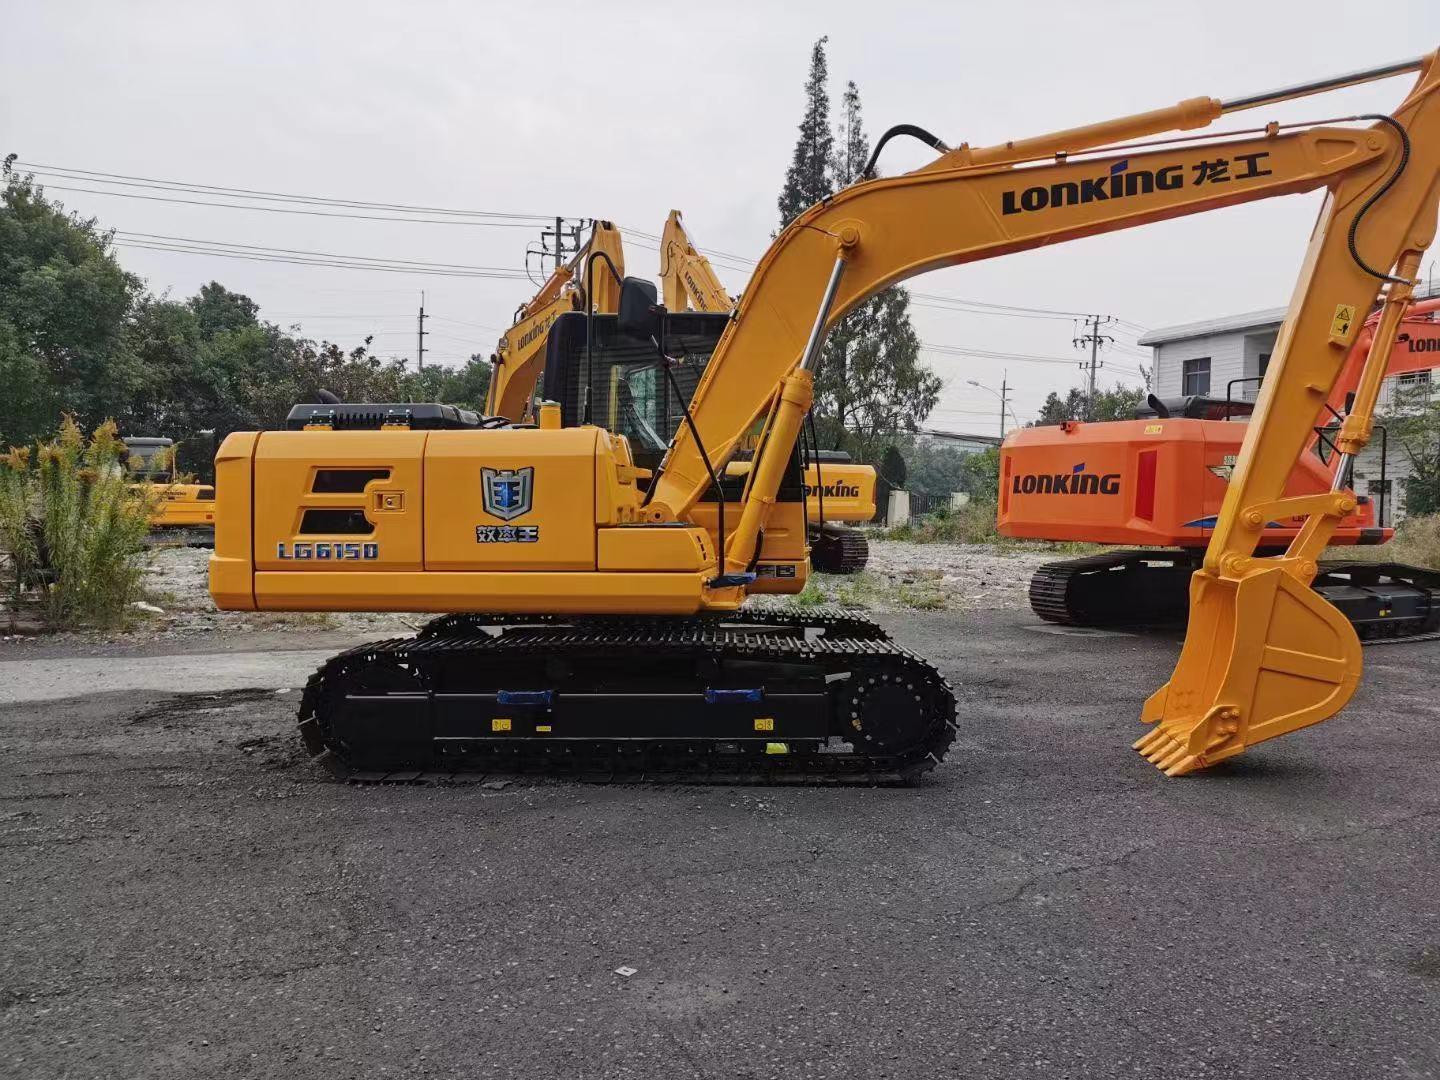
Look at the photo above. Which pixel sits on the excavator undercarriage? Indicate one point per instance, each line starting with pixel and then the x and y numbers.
pixel 753 696
pixel 1144 587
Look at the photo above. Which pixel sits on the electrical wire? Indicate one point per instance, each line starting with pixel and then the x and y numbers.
pixel 127 180
pixel 306 213
pixel 376 265
pixel 267 250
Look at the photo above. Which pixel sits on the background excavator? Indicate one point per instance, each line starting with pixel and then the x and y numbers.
pixel 516 363
pixel 1159 480
pixel 183 511
pixel 604 632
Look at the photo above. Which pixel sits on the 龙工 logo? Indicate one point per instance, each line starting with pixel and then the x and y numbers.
pixel 507 493
pixel 1076 482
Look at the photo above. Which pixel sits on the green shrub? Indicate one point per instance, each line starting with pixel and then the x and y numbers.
pixel 972 523
pixel 75 526
pixel 18 539
pixel 1417 541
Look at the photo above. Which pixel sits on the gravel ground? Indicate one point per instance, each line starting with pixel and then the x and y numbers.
pixel 956 577
pixel 178 580
pixel 185 896
pixel 901 575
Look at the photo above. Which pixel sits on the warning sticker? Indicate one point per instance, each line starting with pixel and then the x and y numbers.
pixel 1344 319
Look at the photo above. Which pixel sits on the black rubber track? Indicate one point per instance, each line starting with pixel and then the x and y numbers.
pixel 1150 587
pixel 907 706
pixel 839 550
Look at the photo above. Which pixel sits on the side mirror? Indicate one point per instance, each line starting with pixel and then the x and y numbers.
pixel 640 314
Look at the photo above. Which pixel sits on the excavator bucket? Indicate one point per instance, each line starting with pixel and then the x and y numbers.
pixel 1264 655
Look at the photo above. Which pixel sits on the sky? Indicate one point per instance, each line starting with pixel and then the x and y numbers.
pixel 626 110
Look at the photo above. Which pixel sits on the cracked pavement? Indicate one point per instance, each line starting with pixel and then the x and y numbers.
pixel 185 896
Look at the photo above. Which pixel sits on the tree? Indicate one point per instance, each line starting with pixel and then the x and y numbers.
pixel 1117 403
pixel 1412 422
pixel 63 303
pixel 808 179
pixel 936 468
pixel 870 383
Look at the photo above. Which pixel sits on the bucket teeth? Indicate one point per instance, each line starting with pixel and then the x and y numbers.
pixel 1149 739
pixel 1170 755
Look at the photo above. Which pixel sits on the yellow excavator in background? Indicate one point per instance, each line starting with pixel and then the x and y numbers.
pixel 840 492
pixel 183 511
pixel 519 357
pixel 617 644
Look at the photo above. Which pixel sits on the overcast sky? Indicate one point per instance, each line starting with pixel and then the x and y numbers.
pixel 624 111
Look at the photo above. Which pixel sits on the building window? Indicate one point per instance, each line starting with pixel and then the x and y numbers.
pixel 1410 380
pixel 1264 364
pixel 1195 376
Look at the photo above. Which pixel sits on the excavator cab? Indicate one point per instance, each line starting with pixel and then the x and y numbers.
pixel 603 360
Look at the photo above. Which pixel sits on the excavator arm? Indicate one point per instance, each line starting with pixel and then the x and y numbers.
pixel 520 354
pixel 1263 655
pixel 687 279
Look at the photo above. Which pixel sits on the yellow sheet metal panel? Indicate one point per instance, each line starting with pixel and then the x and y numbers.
pixel 849 491
pixel 303 522
pixel 520 592
pixel 511 499
pixel 645 548
pixel 230 563
pixel 180 505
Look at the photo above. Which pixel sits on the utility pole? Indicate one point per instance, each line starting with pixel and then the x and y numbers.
pixel 1004 401
pixel 420 338
pixel 567 241
pixel 1094 339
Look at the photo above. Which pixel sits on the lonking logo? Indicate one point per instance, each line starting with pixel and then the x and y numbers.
pixel 1123 182
pixel 535 331
pixel 1076 482
pixel 833 491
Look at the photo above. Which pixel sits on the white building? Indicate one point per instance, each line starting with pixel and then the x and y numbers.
pixel 1228 357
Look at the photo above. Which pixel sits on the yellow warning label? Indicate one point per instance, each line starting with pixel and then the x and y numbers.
pixel 543 729
pixel 764 723
pixel 1344 319
pixel 500 724
pixel 1154 429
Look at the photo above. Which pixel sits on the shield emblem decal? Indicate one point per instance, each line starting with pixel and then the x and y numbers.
pixel 506 493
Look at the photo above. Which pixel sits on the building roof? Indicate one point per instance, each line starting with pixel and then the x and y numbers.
pixel 1250 320
pixel 992 440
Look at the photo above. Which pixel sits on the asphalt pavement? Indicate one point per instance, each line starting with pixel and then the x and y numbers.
pixel 186 896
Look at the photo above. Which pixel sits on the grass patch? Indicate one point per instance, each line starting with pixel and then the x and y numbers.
pixel 974 523
pixel 1417 542
pixel 73 527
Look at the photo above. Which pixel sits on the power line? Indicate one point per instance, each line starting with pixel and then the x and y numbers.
pixel 376 265
pixel 267 250
pixel 126 180
pixel 306 213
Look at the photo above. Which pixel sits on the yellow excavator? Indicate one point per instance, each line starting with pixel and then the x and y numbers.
pixel 596 623
pixel 839 492
pixel 519 357
pixel 182 511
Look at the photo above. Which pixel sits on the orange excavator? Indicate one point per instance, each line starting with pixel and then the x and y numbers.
pixel 1159 481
